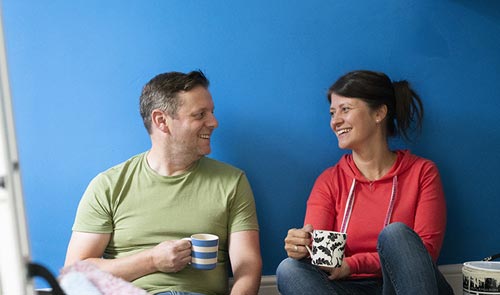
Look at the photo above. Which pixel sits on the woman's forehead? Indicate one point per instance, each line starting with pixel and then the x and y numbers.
pixel 337 100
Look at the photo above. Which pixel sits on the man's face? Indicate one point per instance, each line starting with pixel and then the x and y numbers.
pixel 192 126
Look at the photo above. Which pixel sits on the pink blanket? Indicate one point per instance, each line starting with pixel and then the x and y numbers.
pixel 86 278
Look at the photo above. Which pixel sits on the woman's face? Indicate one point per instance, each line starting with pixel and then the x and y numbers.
pixel 354 123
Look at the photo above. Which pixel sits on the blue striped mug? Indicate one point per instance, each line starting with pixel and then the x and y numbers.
pixel 204 249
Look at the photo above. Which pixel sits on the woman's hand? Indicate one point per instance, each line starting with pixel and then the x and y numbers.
pixel 338 273
pixel 296 240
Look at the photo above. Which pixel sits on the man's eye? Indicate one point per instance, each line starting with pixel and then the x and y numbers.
pixel 199 115
pixel 345 109
pixel 332 114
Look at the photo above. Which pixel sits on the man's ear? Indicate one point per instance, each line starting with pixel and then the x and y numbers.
pixel 159 120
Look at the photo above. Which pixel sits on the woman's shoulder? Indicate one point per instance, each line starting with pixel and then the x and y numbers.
pixel 332 171
pixel 413 161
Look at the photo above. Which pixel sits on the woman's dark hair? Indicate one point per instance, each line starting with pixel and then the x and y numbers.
pixel 404 106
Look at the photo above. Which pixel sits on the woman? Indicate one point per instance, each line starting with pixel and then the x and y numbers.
pixel 396 219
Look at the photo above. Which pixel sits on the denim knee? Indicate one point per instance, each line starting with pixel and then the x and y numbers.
pixel 393 232
pixel 286 269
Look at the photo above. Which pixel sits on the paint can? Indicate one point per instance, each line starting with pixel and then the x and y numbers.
pixel 481 277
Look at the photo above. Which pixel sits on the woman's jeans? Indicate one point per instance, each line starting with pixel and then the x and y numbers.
pixel 407 269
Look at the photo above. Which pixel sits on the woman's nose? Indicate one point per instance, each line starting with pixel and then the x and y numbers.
pixel 335 120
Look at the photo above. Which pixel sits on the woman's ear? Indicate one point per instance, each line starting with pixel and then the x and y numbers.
pixel 159 120
pixel 381 113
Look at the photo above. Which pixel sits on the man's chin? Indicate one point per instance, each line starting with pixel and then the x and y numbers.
pixel 205 152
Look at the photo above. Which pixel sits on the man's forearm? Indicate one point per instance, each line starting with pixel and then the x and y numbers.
pixel 128 268
pixel 247 279
pixel 248 285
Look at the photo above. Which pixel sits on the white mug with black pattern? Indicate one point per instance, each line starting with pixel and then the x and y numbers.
pixel 327 248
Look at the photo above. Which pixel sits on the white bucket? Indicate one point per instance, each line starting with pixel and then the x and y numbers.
pixel 481 278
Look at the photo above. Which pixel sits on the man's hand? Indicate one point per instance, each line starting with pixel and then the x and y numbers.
pixel 171 256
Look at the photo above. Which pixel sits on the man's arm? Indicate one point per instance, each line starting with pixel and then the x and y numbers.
pixel 246 262
pixel 168 256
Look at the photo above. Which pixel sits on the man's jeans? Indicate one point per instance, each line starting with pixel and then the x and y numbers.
pixel 407 269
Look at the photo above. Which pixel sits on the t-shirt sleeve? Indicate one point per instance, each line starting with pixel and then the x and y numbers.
pixel 242 215
pixel 94 210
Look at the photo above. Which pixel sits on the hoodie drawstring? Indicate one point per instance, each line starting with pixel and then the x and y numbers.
pixel 350 202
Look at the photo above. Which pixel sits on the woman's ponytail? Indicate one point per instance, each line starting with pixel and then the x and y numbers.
pixel 408 108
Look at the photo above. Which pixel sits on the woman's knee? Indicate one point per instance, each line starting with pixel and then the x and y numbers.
pixel 287 268
pixel 394 233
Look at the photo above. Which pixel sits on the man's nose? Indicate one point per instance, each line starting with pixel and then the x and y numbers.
pixel 212 122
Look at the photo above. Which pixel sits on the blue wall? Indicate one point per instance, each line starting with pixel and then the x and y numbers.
pixel 77 68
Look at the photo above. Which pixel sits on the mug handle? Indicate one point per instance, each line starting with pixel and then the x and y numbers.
pixel 492 257
pixel 188 239
pixel 309 250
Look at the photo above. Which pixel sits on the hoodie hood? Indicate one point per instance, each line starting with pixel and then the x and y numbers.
pixel 403 162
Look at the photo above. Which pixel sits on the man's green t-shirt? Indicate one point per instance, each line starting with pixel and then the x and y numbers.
pixel 141 209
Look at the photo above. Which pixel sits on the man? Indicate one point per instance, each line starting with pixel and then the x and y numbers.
pixel 132 217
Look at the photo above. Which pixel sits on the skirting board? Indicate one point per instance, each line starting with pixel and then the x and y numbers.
pixel 452 273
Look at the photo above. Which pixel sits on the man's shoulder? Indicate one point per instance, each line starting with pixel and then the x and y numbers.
pixel 219 166
pixel 122 168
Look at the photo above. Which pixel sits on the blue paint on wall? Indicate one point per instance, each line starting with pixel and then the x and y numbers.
pixel 77 68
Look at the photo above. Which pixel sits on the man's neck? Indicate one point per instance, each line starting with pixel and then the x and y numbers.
pixel 168 165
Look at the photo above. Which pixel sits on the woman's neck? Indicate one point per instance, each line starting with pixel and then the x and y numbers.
pixel 374 164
